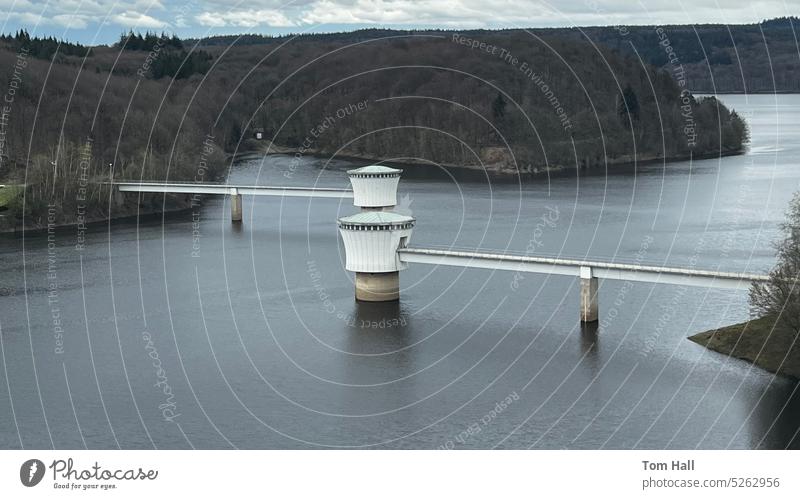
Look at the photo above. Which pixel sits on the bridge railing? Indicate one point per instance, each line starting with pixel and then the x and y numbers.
pixel 588 271
pixel 233 190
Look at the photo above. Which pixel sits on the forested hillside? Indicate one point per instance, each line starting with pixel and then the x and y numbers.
pixel 717 58
pixel 750 58
pixel 71 125
pixel 507 102
pixel 524 105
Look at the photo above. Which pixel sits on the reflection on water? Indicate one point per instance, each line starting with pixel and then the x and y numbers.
pixel 776 416
pixel 380 328
pixel 590 347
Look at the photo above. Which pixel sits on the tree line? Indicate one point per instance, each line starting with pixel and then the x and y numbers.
pixel 173 61
pixel 147 41
pixel 759 57
pixel 42 47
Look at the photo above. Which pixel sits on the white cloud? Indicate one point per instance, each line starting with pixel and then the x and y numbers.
pixel 28 18
pixel 181 22
pixel 245 19
pixel 81 14
pixel 71 21
pixel 189 15
pixel 383 11
pixel 11 5
pixel 211 19
pixel 533 13
pixel 133 19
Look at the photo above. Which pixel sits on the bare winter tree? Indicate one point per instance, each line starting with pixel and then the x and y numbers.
pixel 780 296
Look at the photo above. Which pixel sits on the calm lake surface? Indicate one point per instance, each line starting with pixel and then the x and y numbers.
pixel 250 337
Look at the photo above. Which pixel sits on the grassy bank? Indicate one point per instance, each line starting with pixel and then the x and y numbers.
pixel 756 341
pixel 8 193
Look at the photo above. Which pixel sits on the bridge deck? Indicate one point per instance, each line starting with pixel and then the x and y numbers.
pixel 228 189
pixel 603 270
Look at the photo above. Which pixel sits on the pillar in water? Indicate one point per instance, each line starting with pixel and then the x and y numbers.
pixel 377 286
pixel 236 206
pixel 588 295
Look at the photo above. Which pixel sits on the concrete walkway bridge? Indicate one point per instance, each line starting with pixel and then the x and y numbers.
pixel 376 242
pixel 588 271
pixel 234 191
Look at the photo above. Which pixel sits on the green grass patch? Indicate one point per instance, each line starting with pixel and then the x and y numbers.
pixel 8 193
pixel 757 341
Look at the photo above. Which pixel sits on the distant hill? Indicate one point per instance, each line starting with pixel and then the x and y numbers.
pixel 717 58
pixel 507 103
pixel 750 58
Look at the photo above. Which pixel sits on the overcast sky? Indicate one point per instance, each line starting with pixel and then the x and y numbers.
pixel 101 21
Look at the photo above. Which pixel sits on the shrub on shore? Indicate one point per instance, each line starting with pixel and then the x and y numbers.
pixel 779 297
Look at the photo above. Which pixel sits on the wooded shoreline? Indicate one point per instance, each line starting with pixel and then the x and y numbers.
pixel 614 166
pixel 259 149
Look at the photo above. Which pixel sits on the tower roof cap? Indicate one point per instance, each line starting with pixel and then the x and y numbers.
pixel 375 170
pixel 376 218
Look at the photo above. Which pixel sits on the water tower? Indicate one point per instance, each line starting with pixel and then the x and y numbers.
pixel 375 187
pixel 372 237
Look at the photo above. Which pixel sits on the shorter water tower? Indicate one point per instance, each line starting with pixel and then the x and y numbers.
pixel 371 238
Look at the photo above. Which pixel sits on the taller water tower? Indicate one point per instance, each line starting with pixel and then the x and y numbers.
pixel 375 187
pixel 371 238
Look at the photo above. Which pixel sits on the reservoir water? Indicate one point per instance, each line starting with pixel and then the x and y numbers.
pixel 188 332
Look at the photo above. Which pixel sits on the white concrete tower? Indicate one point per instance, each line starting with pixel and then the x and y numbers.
pixel 375 187
pixel 371 240
pixel 372 237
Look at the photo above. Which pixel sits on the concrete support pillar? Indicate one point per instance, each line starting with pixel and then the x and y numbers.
pixel 236 206
pixel 588 295
pixel 384 286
